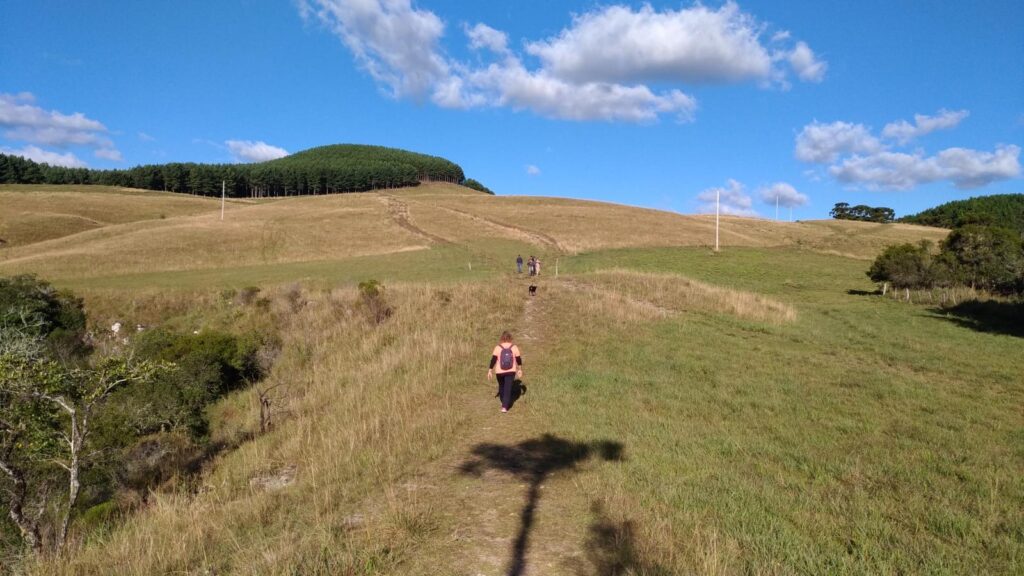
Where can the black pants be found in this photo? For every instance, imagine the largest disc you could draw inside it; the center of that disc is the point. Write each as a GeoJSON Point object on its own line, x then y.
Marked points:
{"type": "Point", "coordinates": [506, 382]}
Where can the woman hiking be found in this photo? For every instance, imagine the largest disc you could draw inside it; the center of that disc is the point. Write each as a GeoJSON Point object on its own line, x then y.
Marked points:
{"type": "Point", "coordinates": [507, 365]}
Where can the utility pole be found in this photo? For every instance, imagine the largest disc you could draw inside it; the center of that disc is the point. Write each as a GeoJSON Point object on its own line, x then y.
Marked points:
{"type": "Point", "coordinates": [718, 201]}
{"type": "Point", "coordinates": [223, 186]}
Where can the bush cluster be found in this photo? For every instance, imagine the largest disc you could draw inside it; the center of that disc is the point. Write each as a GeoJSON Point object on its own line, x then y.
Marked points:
{"type": "Point", "coordinates": [146, 411]}
{"type": "Point", "coordinates": [984, 257]}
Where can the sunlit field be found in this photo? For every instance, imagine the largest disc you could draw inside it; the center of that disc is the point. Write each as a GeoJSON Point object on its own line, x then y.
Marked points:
{"type": "Point", "coordinates": [753, 411]}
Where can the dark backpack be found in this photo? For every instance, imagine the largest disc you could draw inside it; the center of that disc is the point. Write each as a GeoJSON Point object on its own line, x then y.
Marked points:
{"type": "Point", "coordinates": [506, 358]}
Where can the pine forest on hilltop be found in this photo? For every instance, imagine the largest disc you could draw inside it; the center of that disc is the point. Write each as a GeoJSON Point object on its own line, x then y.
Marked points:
{"type": "Point", "coordinates": [1004, 210]}
{"type": "Point", "coordinates": [322, 170]}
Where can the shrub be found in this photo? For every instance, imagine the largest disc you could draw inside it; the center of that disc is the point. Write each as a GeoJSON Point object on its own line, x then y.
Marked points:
{"type": "Point", "coordinates": [986, 257]}
{"type": "Point", "coordinates": [37, 309]}
{"type": "Point", "coordinates": [903, 266]}
{"type": "Point", "coordinates": [247, 295]}
{"type": "Point", "coordinates": [371, 300]}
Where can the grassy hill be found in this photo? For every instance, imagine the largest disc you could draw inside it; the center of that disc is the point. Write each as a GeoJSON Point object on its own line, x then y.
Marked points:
{"type": "Point", "coordinates": [172, 239]}
{"type": "Point", "coordinates": [751, 411]}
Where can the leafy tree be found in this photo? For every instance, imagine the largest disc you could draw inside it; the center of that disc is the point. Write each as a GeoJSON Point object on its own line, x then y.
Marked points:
{"type": "Point", "coordinates": [986, 257]}
{"type": "Point", "coordinates": [45, 429]}
{"type": "Point", "coordinates": [903, 266]}
{"type": "Point", "coordinates": [36, 308]}
{"type": "Point", "coordinates": [862, 212]}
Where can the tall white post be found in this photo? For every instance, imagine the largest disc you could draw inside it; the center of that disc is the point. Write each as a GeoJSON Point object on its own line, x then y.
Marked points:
{"type": "Point", "coordinates": [223, 186]}
{"type": "Point", "coordinates": [718, 200]}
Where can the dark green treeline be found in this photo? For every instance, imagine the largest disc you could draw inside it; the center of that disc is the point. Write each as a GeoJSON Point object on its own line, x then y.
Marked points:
{"type": "Point", "coordinates": [323, 170]}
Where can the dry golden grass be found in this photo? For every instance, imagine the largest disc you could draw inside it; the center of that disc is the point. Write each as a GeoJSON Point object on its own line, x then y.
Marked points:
{"type": "Point", "coordinates": [360, 406]}
{"type": "Point", "coordinates": [582, 226]}
{"type": "Point", "coordinates": [294, 230]}
{"type": "Point", "coordinates": [36, 213]}
{"type": "Point", "coordinates": [661, 294]}
{"type": "Point", "coordinates": [131, 238]}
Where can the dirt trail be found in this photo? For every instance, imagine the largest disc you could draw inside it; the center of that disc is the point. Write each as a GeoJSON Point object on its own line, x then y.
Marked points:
{"type": "Point", "coordinates": [529, 235]}
{"type": "Point", "coordinates": [508, 495]}
{"type": "Point", "coordinates": [398, 211]}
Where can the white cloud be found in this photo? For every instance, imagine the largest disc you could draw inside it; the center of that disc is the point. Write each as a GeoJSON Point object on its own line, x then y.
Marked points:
{"type": "Point", "coordinates": [146, 137]}
{"type": "Point", "coordinates": [513, 85]}
{"type": "Point", "coordinates": [733, 200]}
{"type": "Point", "coordinates": [806, 65]}
{"type": "Point", "coordinates": [532, 170]}
{"type": "Point", "coordinates": [109, 154]}
{"type": "Point", "coordinates": [23, 121]}
{"type": "Point", "coordinates": [396, 43]}
{"type": "Point", "coordinates": [618, 44]}
{"type": "Point", "coordinates": [965, 168]}
{"type": "Point", "coordinates": [823, 143]}
{"type": "Point", "coordinates": [785, 194]}
{"type": "Point", "coordinates": [250, 151]}
{"type": "Point", "coordinates": [904, 131]}
{"type": "Point", "coordinates": [781, 36]}
{"type": "Point", "coordinates": [37, 154]}
{"type": "Point", "coordinates": [483, 36]}
{"type": "Point", "coordinates": [596, 69]}
{"type": "Point", "coordinates": [857, 157]}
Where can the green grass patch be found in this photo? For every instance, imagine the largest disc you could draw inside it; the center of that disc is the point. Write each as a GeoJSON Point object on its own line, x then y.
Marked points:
{"type": "Point", "coordinates": [867, 437]}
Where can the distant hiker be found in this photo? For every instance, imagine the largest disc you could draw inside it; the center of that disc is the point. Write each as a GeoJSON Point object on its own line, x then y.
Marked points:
{"type": "Point", "coordinates": [536, 267]}
{"type": "Point", "coordinates": [519, 264]}
{"type": "Point", "coordinates": [507, 365]}
{"type": "Point", "coordinates": [530, 266]}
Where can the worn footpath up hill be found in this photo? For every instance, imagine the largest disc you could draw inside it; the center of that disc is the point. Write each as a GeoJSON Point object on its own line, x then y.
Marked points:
{"type": "Point", "coordinates": [759, 410]}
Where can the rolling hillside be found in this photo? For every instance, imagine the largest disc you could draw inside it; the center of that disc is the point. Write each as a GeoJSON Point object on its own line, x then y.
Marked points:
{"type": "Point", "coordinates": [74, 234]}
{"type": "Point", "coordinates": [754, 411]}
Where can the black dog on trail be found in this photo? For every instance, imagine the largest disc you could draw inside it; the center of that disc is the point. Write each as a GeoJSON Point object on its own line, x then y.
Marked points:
{"type": "Point", "coordinates": [533, 290]}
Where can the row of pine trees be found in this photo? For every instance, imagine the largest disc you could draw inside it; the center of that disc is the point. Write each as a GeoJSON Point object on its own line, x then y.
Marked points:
{"type": "Point", "coordinates": [323, 170]}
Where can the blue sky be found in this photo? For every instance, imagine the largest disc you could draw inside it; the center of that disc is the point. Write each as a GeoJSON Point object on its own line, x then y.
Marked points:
{"type": "Point", "coordinates": [900, 104]}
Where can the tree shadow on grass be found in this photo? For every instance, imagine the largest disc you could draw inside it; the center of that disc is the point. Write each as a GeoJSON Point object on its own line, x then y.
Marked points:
{"type": "Point", "coordinates": [612, 551]}
{"type": "Point", "coordinates": [856, 292]}
{"type": "Point", "coordinates": [987, 316]}
{"type": "Point", "coordinates": [535, 461]}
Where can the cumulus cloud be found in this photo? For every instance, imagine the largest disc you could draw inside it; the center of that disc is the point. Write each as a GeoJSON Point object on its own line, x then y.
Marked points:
{"type": "Point", "coordinates": [857, 157]}
{"type": "Point", "coordinates": [823, 143]}
{"type": "Point", "coordinates": [620, 44]}
{"type": "Point", "coordinates": [733, 200]}
{"type": "Point", "coordinates": [784, 194]}
{"type": "Point", "coordinates": [904, 131]}
{"type": "Point", "coordinates": [23, 121]}
{"type": "Point", "coordinates": [513, 85]}
{"type": "Point", "coordinates": [598, 68]}
{"type": "Point", "coordinates": [963, 167]}
{"type": "Point", "coordinates": [396, 43]}
{"type": "Point", "coordinates": [250, 151]}
{"type": "Point", "coordinates": [483, 36]}
{"type": "Point", "coordinates": [532, 170]}
{"type": "Point", "coordinates": [37, 154]}
{"type": "Point", "coordinates": [145, 137]}
{"type": "Point", "coordinates": [806, 64]}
